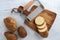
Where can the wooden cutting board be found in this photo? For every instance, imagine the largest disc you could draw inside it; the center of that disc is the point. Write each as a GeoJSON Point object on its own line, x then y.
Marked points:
{"type": "Point", "coordinates": [47, 15]}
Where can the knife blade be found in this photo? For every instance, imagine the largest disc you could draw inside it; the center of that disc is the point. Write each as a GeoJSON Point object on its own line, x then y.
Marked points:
{"type": "Point", "coordinates": [39, 3]}
{"type": "Point", "coordinates": [37, 11]}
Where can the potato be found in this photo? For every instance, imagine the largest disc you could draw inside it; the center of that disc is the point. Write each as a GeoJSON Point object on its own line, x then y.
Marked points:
{"type": "Point", "coordinates": [22, 32]}
{"type": "Point", "coordinates": [10, 24]}
{"type": "Point", "coordinates": [10, 36]}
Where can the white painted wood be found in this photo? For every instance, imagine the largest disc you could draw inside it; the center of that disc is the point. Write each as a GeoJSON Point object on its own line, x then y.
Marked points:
{"type": "Point", "coordinates": [7, 5]}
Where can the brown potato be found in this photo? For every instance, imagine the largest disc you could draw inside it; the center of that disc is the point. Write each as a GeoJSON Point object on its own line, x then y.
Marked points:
{"type": "Point", "coordinates": [10, 36]}
{"type": "Point", "coordinates": [22, 32]}
{"type": "Point", "coordinates": [10, 24]}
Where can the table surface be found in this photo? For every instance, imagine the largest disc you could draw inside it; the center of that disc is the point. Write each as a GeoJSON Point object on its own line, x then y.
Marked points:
{"type": "Point", "coordinates": [5, 11]}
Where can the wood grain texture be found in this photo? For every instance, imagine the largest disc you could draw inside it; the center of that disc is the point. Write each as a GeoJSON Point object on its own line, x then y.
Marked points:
{"type": "Point", "coordinates": [49, 18]}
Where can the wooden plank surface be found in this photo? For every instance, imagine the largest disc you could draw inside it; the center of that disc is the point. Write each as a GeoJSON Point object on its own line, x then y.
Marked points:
{"type": "Point", "coordinates": [47, 15]}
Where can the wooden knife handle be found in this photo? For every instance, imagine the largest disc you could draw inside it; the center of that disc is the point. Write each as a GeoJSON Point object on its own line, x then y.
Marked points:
{"type": "Point", "coordinates": [28, 5]}
{"type": "Point", "coordinates": [32, 9]}
{"type": "Point", "coordinates": [20, 8]}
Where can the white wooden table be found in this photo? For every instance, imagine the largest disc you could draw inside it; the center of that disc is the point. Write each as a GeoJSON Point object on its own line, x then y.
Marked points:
{"type": "Point", "coordinates": [5, 11]}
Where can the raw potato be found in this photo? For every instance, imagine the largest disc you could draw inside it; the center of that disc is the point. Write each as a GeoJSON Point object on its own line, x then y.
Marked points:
{"type": "Point", "coordinates": [10, 36]}
{"type": "Point", "coordinates": [10, 24]}
{"type": "Point", "coordinates": [39, 20]}
{"type": "Point", "coordinates": [22, 32]}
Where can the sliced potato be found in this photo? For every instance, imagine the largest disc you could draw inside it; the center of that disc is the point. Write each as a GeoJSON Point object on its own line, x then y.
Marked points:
{"type": "Point", "coordinates": [43, 30]}
{"type": "Point", "coordinates": [42, 26]}
{"type": "Point", "coordinates": [39, 20]}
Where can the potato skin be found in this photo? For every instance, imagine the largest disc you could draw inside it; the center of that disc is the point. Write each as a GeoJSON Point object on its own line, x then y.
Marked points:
{"type": "Point", "coordinates": [10, 36]}
{"type": "Point", "coordinates": [10, 24]}
{"type": "Point", "coordinates": [22, 32]}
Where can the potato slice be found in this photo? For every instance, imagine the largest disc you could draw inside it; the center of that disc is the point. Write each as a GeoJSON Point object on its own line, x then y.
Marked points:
{"type": "Point", "coordinates": [39, 20]}
{"type": "Point", "coordinates": [42, 26]}
{"type": "Point", "coordinates": [43, 30]}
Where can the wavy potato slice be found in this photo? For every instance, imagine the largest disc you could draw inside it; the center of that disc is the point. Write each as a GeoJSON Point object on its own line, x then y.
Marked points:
{"type": "Point", "coordinates": [39, 20]}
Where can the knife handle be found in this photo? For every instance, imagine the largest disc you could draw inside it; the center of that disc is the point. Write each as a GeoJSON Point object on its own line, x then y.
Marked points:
{"type": "Point", "coordinates": [28, 5]}
{"type": "Point", "coordinates": [31, 10]}
{"type": "Point", "coordinates": [26, 12]}
{"type": "Point", "coordinates": [20, 8]}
